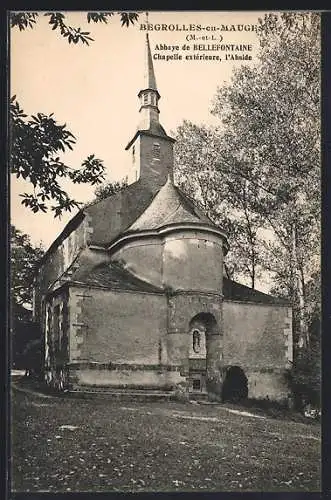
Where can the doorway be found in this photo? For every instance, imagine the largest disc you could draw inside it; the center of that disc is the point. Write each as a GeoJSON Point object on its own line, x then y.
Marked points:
{"type": "Point", "coordinates": [235, 385]}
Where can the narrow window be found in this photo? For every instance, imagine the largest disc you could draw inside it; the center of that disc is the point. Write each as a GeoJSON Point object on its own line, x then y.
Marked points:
{"type": "Point", "coordinates": [196, 384]}
{"type": "Point", "coordinates": [133, 154]}
{"type": "Point", "coordinates": [156, 150]}
{"type": "Point", "coordinates": [196, 341]}
{"type": "Point", "coordinates": [145, 98]}
{"type": "Point", "coordinates": [56, 326]}
{"type": "Point", "coordinates": [64, 328]}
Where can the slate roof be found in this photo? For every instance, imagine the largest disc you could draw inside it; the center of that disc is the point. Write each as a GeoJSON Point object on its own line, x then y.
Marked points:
{"type": "Point", "coordinates": [113, 276]}
{"type": "Point", "coordinates": [149, 76]}
{"type": "Point", "coordinates": [155, 130]}
{"type": "Point", "coordinates": [113, 215]}
{"type": "Point", "coordinates": [140, 207]}
{"type": "Point", "coordinates": [170, 206]}
{"type": "Point", "coordinates": [235, 291]}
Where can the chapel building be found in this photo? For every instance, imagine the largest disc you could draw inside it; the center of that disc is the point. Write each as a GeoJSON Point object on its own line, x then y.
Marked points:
{"type": "Point", "coordinates": [132, 296]}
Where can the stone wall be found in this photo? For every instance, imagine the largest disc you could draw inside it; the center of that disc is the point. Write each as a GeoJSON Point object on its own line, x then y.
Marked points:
{"type": "Point", "coordinates": [57, 261]}
{"type": "Point", "coordinates": [123, 376]}
{"type": "Point", "coordinates": [118, 327]}
{"type": "Point", "coordinates": [193, 261]}
{"type": "Point", "coordinates": [57, 336]}
{"type": "Point", "coordinates": [182, 308]}
{"type": "Point", "coordinates": [269, 384]}
{"type": "Point", "coordinates": [154, 168]}
{"type": "Point", "coordinates": [143, 258]}
{"type": "Point", "coordinates": [257, 338]}
{"type": "Point", "coordinates": [119, 339]}
{"type": "Point", "coordinates": [134, 172]}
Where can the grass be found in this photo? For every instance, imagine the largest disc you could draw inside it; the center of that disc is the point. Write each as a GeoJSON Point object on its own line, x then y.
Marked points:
{"type": "Point", "coordinates": [156, 446]}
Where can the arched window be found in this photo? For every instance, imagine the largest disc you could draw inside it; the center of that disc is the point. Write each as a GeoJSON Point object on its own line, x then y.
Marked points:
{"type": "Point", "coordinates": [145, 98]}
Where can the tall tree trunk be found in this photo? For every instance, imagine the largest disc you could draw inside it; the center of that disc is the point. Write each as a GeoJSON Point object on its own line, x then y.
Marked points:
{"type": "Point", "coordinates": [303, 340]}
{"type": "Point", "coordinates": [253, 271]}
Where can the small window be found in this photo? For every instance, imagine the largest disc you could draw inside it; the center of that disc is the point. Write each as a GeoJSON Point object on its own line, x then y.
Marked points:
{"type": "Point", "coordinates": [196, 384]}
{"type": "Point", "coordinates": [145, 98]}
{"type": "Point", "coordinates": [156, 150]}
{"type": "Point", "coordinates": [133, 154]}
{"type": "Point", "coordinates": [57, 334]}
{"type": "Point", "coordinates": [56, 322]}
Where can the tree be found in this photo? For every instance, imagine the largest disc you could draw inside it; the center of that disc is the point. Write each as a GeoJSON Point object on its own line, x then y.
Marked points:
{"type": "Point", "coordinates": [25, 335]}
{"type": "Point", "coordinates": [258, 172]}
{"type": "Point", "coordinates": [57, 21]}
{"type": "Point", "coordinates": [265, 158]}
{"type": "Point", "coordinates": [35, 146]}
{"type": "Point", "coordinates": [37, 142]}
{"type": "Point", "coordinates": [225, 198]}
{"type": "Point", "coordinates": [270, 114]}
{"type": "Point", "coordinates": [23, 260]}
{"type": "Point", "coordinates": [108, 189]}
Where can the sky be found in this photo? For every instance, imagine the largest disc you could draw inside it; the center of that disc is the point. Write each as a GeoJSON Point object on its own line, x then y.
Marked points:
{"type": "Point", "coordinates": [93, 89]}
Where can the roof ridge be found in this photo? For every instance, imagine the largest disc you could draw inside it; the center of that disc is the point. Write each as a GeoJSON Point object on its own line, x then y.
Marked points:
{"type": "Point", "coordinates": [124, 188]}
{"type": "Point", "coordinates": [171, 213]}
{"type": "Point", "coordinates": [194, 203]}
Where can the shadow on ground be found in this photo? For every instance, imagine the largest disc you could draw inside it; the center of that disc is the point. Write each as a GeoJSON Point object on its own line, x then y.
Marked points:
{"type": "Point", "coordinates": [64, 444]}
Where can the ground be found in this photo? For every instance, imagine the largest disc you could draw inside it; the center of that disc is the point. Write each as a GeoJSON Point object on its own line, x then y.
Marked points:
{"type": "Point", "coordinates": [64, 444]}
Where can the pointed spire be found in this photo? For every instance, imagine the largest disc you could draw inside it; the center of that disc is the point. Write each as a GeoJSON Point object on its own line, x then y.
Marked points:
{"type": "Point", "coordinates": [149, 77]}
{"type": "Point", "coordinates": [149, 99]}
{"type": "Point", "coordinates": [149, 96]}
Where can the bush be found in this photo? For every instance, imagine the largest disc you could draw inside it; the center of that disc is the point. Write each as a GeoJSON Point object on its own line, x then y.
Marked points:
{"type": "Point", "coordinates": [305, 378]}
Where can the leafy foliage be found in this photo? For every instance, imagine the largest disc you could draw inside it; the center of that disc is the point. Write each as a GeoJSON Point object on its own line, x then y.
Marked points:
{"type": "Point", "coordinates": [108, 189]}
{"type": "Point", "coordinates": [75, 35]}
{"type": "Point", "coordinates": [23, 260]}
{"type": "Point", "coordinates": [260, 172]}
{"type": "Point", "coordinates": [260, 168]}
{"type": "Point", "coordinates": [225, 198]}
{"type": "Point", "coordinates": [271, 112]}
{"type": "Point", "coordinates": [58, 21]}
{"type": "Point", "coordinates": [271, 119]}
{"type": "Point", "coordinates": [23, 20]}
{"type": "Point", "coordinates": [36, 145]}
{"type": "Point", "coordinates": [38, 141]}
{"type": "Point", "coordinates": [128, 17]}
{"type": "Point", "coordinates": [305, 376]}
{"type": "Point", "coordinates": [32, 357]}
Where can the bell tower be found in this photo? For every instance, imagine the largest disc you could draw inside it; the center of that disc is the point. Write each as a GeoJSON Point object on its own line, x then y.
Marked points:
{"type": "Point", "coordinates": [151, 148]}
{"type": "Point", "coordinates": [149, 96]}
